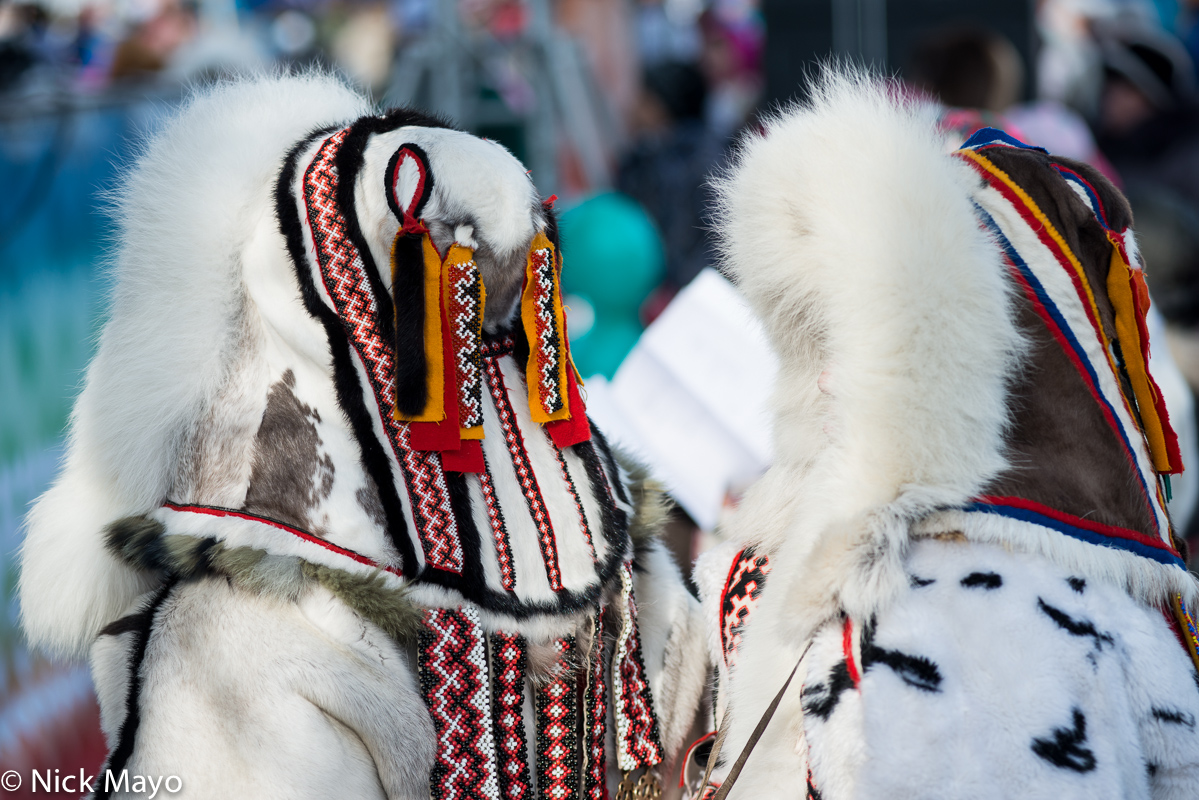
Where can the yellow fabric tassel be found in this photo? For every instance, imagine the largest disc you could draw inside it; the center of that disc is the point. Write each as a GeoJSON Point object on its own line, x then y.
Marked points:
{"type": "Point", "coordinates": [1120, 290]}
{"type": "Point", "coordinates": [544, 324]}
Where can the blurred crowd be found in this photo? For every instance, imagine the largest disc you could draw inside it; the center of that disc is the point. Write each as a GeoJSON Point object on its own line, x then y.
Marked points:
{"type": "Point", "coordinates": [623, 108]}
{"type": "Point", "coordinates": [651, 104]}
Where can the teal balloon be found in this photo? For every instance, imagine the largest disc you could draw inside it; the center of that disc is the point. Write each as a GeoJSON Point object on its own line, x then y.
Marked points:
{"type": "Point", "coordinates": [612, 255]}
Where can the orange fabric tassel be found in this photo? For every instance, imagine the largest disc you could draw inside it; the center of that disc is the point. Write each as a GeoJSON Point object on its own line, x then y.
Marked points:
{"type": "Point", "coordinates": [1130, 300]}
{"type": "Point", "coordinates": [544, 324]}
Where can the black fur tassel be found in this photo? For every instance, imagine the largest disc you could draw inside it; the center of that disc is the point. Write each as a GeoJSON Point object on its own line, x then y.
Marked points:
{"type": "Point", "coordinates": [408, 296]}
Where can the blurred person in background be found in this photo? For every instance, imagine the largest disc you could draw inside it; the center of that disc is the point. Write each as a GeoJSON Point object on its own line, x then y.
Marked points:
{"type": "Point", "coordinates": [968, 67]}
{"type": "Point", "coordinates": [1069, 64]}
{"type": "Point", "coordinates": [668, 164]}
{"type": "Point", "coordinates": [1148, 121]}
{"type": "Point", "coordinates": [731, 62]}
{"type": "Point", "coordinates": [150, 44]}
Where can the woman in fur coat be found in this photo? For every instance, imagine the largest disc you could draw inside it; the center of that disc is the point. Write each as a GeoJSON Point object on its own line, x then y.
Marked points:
{"type": "Point", "coordinates": [333, 521]}
{"type": "Point", "coordinates": [959, 578]}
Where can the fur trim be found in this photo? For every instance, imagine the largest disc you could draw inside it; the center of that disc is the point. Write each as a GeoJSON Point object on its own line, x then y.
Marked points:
{"type": "Point", "coordinates": [893, 327]}
{"type": "Point", "coordinates": [178, 300]}
{"type": "Point", "coordinates": [651, 506]}
{"type": "Point", "coordinates": [144, 544]}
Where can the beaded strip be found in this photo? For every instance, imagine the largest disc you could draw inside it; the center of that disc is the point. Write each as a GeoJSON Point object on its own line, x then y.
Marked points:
{"type": "Point", "coordinates": [549, 351]}
{"type": "Point", "coordinates": [524, 473]}
{"type": "Point", "coordinates": [509, 658]}
{"type": "Point", "coordinates": [464, 310]}
{"type": "Point", "coordinates": [343, 277]}
{"type": "Point", "coordinates": [574, 493]}
{"type": "Point", "coordinates": [1186, 626]}
{"type": "Point", "coordinates": [746, 579]}
{"type": "Point", "coordinates": [452, 659]}
{"type": "Point", "coordinates": [557, 711]}
{"type": "Point", "coordinates": [499, 529]}
{"type": "Point", "coordinates": [637, 741]}
{"type": "Point", "coordinates": [595, 711]}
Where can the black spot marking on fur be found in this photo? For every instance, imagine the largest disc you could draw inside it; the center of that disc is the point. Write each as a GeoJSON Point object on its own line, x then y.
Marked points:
{"type": "Point", "coordinates": [982, 580]}
{"type": "Point", "coordinates": [813, 792]}
{"type": "Point", "coordinates": [1077, 584]}
{"type": "Point", "coordinates": [1075, 627]}
{"type": "Point", "coordinates": [1151, 768]}
{"type": "Point", "coordinates": [1174, 717]}
{"type": "Point", "coordinates": [920, 583]}
{"type": "Point", "coordinates": [916, 671]}
{"type": "Point", "coordinates": [821, 699]}
{"type": "Point", "coordinates": [1066, 749]}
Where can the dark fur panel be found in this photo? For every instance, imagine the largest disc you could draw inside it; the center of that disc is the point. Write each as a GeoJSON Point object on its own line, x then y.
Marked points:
{"type": "Point", "coordinates": [138, 542]}
{"type": "Point", "coordinates": [1063, 452]}
{"type": "Point", "coordinates": [1033, 172]}
{"type": "Point", "coordinates": [289, 476]}
{"type": "Point", "coordinates": [601, 443]}
{"type": "Point", "coordinates": [1116, 208]}
{"type": "Point", "coordinates": [468, 532]}
{"type": "Point", "coordinates": [408, 293]}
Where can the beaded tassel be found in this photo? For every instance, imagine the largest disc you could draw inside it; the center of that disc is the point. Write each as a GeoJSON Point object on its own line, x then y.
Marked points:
{"type": "Point", "coordinates": [509, 656]}
{"type": "Point", "coordinates": [452, 661]}
{"type": "Point", "coordinates": [557, 711]}
{"type": "Point", "coordinates": [595, 717]}
{"type": "Point", "coordinates": [638, 744]}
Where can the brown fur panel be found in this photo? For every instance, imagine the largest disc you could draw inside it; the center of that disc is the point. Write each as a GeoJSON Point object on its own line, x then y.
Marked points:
{"type": "Point", "coordinates": [1032, 171]}
{"type": "Point", "coordinates": [290, 476]}
{"type": "Point", "coordinates": [1062, 450]}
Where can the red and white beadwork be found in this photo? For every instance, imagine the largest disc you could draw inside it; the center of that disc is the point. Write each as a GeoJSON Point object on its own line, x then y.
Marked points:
{"type": "Point", "coordinates": [452, 660]}
{"type": "Point", "coordinates": [574, 493]}
{"type": "Point", "coordinates": [464, 310]}
{"type": "Point", "coordinates": [342, 275]}
{"type": "Point", "coordinates": [499, 529]}
{"type": "Point", "coordinates": [524, 472]}
{"type": "Point", "coordinates": [556, 709]}
{"type": "Point", "coordinates": [549, 351]}
{"type": "Point", "coordinates": [637, 740]}
{"type": "Point", "coordinates": [509, 654]}
{"type": "Point", "coordinates": [746, 579]}
{"type": "Point", "coordinates": [595, 717]}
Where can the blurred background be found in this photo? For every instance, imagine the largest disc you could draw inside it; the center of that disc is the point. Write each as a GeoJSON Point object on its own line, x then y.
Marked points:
{"type": "Point", "coordinates": [623, 109]}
